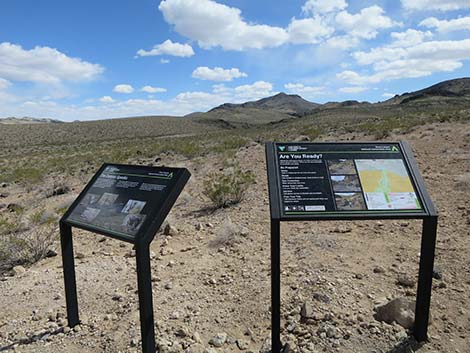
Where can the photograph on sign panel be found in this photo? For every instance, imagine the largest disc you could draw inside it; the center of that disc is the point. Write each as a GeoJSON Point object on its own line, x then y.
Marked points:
{"type": "Point", "coordinates": [133, 206]}
{"type": "Point", "coordinates": [132, 223]}
{"type": "Point", "coordinates": [341, 166]}
{"type": "Point", "coordinates": [107, 199]}
{"type": "Point", "coordinates": [89, 199]}
{"type": "Point", "coordinates": [344, 183]}
{"type": "Point", "coordinates": [349, 201]}
{"type": "Point", "coordinates": [89, 214]}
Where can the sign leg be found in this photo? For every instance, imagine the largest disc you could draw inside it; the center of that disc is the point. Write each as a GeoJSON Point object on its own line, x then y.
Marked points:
{"type": "Point", "coordinates": [144, 282]}
{"type": "Point", "coordinates": [275, 286]}
{"type": "Point", "coordinates": [68, 265]}
{"type": "Point", "coordinates": [426, 264]}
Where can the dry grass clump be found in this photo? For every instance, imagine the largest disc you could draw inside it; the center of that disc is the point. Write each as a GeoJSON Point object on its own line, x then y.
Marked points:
{"type": "Point", "coordinates": [27, 247]}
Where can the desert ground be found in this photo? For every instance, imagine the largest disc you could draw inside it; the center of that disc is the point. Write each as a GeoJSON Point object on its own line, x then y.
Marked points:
{"type": "Point", "coordinates": [211, 267]}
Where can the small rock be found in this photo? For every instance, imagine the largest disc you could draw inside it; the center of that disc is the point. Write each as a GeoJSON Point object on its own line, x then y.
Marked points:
{"type": "Point", "coordinates": [322, 297]}
{"type": "Point", "coordinates": [399, 310]}
{"type": "Point", "coordinates": [218, 340]}
{"type": "Point", "coordinates": [406, 281]}
{"type": "Point", "coordinates": [170, 230]}
{"type": "Point", "coordinates": [306, 312]}
{"type": "Point", "coordinates": [199, 226]}
{"type": "Point", "coordinates": [80, 256]}
{"type": "Point", "coordinates": [18, 270]}
{"type": "Point", "coordinates": [242, 344]}
{"type": "Point", "coordinates": [169, 285]}
{"type": "Point", "coordinates": [379, 269]}
{"type": "Point", "coordinates": [437, 273]}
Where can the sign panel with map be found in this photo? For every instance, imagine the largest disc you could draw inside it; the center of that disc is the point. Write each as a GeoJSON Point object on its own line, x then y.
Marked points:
{"type": "Point", "coordinates": [121, 199]}
{"type": "Point", "coordinates": [344, 178]}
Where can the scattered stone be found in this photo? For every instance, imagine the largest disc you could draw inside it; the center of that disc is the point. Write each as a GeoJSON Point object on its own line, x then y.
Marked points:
{"type": "Point", "coordinates": [3, 185]}
{"type": "Point", "coordinates": [170, 230]}
{"type": "Point", "coordinates": [218, 340]}
{"type": "Point", "coordinates": [306, 312]}
{"type": "Point", "coordinates": [242, 344]}
{"type": "Point", "coordinates": [199, 226]}
{"type": "Point", "coordinates": [437, 273]}
{"type": "Point", "coordinates": [79, 255]}
{"type": "Point", "coordinates": [169, 285]}
{"type": "Point", "coordinates": [379, 269]}
{"type": "Point", "coordinates": [18, 270]}
{"type": "Point", "coordinates": [406, 281]}
{"type": "Point", "coordinates": [321, 297]}
{"type": "Point", "coordinates": [399, 310]}
{"type": "Point", "coordinates": [60, 190]}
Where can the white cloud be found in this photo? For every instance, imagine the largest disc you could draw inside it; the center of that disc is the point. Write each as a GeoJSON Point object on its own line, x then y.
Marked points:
{"type": "Point", "coordinates": [409, 68]}
{"type": "Point", "coordinates": [168, 48]}
{"type": "Point", "coordinates": [409, 38]}
{"type": "Point", "coordinates": [4, 83]}
{"type": "Point", "coordinates": [353, 89]}
{"type": "Point", "coordinates": [432, 50]}
{"type": "Point", "coordinates": [212, 24]}
{"type": "Point", "coordinates": [364, 24]}
{"type": "Point", "coordinates": [441, 5]}
{"type": "Point", "coordinates": [123, 88]}
{"type": "Point", "coordinates": [308, 30]}
{"type": "Point", "coordinates": [456, 24]}
{"type": "Point", "coordinates": [43, 65]}
{"type": "Point", "coordinates": [106, 99]}
{"type": "Point", "coordinates": [388, 95]}
{"type": "Point", "coordinates": [322, 6]}
{"type": "Point", "coordinates": [150, 89]}
{"type": "Point", "coordinates": [217, 74]}
{"type": "Point", "coordinates": [164, 61]}
{"type": "Point", "coordinates": [257, 90]}
{"type": "Point", "coordinates": [304, 91]}
{"type": "Point", "coordinates": [343, 42]}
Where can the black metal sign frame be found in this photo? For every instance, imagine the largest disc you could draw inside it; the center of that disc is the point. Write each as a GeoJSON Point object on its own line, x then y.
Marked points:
{"type": "Point", "coordinates": [427, 214]}
{"type": "Point", "coordinates": [141, 240]}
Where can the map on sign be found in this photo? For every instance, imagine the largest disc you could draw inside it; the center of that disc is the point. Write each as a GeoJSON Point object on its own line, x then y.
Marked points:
{"type": "Point", "coordinates": [323, 178]}
{"type": "Point", "coordinates": [386, 184]}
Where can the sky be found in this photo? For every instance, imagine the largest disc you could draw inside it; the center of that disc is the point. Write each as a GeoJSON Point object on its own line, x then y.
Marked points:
{"type": "Point", "coordinates": [88, 60]}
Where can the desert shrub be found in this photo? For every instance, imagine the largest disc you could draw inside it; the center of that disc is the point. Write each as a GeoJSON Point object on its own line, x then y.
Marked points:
{"type": "Point", "coordinates": [8, 226]}
{"type": "Point", "coordinates": [312, 133]}
{"type": "Point", "coordinates": [228, 188]}
{"type": "Point", "coordinates": [25, 248]}
{"type": "Point", "coordinates": [42, 217]}
{"type": "Point", "coordinates": [230, 143]}
{"type": "Point", "coordinates": [27, 175]}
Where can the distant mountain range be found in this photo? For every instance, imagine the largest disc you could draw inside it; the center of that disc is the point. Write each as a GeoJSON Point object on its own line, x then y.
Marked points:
{"type": "Point", "coordinates": [29, 120]}
{"type": "Point", "coordinates": [283, 106]}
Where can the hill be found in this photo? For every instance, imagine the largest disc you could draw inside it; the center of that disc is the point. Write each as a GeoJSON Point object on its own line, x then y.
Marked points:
{"type": "Point", "coordinates": [291, 104]}
{"type": "Point", "coordinates": [29, 120]}
{"type": "Point", "coordinates": [443, 92]}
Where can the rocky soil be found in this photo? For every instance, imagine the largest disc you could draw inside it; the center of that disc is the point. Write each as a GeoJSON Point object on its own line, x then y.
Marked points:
{"type": "Point", "coordinates": [211, 271]}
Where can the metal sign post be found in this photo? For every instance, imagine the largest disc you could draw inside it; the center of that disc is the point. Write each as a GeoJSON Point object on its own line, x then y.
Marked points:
{"type": "Point", "coordinates": [128, 203]}
{"type": "Point", "coordinates": [348, 181]}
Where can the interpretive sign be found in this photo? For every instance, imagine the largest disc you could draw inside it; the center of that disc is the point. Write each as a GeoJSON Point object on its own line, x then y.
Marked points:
{"type": "Point", "coordinates": [347, 181]}
{"type": "Point", "coordinates": [320, 179]}
{"type": "Point", "coordinates": [129, 203]}
{"type": "Point", "coordinates": [123, 199]}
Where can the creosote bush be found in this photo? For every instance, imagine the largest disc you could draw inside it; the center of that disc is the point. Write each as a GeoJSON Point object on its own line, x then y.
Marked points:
{"type": "Point", "coordinates": [27, 247]}
{"type": "Point", "coordinates": [228, 188]}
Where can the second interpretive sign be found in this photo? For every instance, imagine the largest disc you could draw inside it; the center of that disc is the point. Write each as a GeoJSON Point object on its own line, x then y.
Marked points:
{"type": "Point", "coordinates": [316, 179]}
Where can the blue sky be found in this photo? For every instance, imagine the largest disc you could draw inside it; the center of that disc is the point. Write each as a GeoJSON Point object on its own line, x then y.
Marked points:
{"type": "Point", "coordinates": [102, 59]}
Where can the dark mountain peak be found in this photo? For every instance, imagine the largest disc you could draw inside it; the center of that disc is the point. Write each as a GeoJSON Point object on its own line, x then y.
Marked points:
{"type": "Point", "coordinates": [455, 88]}
{"type": "Point", "coordinates": [292, 104]}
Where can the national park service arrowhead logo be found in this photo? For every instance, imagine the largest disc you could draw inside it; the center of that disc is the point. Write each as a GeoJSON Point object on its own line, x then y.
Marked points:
{"type": "Point", "coordinates": [281, 148]}
{"type": "Point", "coordinates": [395, 149]}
